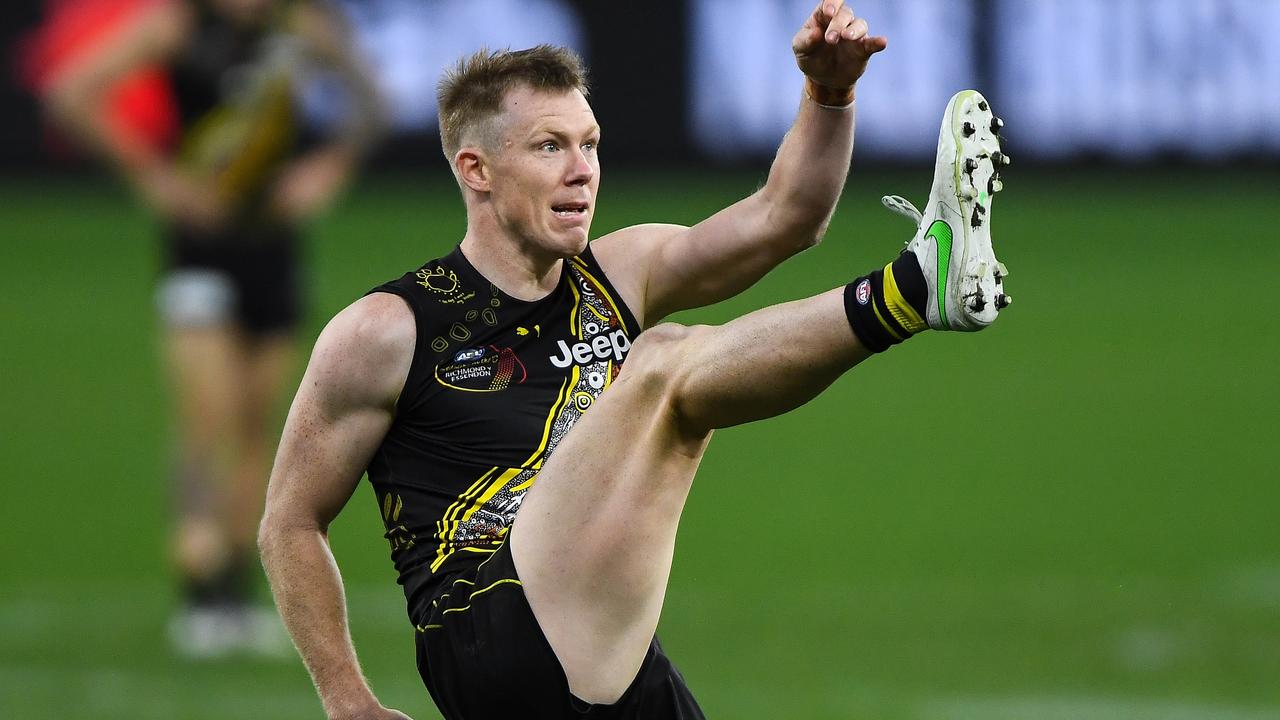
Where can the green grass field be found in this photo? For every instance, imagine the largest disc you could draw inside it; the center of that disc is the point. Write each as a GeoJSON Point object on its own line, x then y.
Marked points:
{"type": "Point", "coordinates": [1073, 515]}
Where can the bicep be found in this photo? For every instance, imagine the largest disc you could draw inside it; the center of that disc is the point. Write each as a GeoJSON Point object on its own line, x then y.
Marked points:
{"type": "Point", "coordinates": [342, 411]}
{"type": "Point", "coordinates": [323, 454]}
{"type": "Point", "coordinates": [676, 268]}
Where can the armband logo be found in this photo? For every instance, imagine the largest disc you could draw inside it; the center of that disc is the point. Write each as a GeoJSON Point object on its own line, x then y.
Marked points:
{"type": "Point", "coordinates": [862, 293]}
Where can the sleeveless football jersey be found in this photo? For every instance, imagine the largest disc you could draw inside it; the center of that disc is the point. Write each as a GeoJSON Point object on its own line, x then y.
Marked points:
{"type": "Point", "coordinates": [494, 385]}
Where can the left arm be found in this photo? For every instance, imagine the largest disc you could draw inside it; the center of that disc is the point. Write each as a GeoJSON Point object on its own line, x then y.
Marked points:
{"type": "Point", "coordinates": [660, 269]}
{"type": "Point", "coordinates": [311, 181]}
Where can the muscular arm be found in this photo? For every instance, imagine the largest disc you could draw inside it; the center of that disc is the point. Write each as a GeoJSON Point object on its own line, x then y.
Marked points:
{"type": "Point", "coordinates": [341, 413]}
{"type": "Point", "coordinates": [671, 267]}
{"type": "Point", "coordinates": [664, 268]}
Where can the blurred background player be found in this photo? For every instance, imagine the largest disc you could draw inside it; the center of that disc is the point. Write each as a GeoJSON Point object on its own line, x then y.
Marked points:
{"type": "Point", "coordinates": [194, 102]}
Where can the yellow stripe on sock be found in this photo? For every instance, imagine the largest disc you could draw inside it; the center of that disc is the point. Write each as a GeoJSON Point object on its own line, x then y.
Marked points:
{"type": "Point", "coordinates": [898, 306]}
{"type": "Point", "coordinates": [886, 325]}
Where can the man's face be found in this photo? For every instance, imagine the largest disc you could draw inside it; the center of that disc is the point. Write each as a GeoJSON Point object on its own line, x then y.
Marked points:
{"type": "Point", "coordinates": [545, 172]}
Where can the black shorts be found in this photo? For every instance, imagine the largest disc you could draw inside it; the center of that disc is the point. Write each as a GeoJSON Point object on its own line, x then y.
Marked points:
{"type": "Point", "coordinates": [245, 277]}
{"type": "Point", "coordinates": [483, 656]}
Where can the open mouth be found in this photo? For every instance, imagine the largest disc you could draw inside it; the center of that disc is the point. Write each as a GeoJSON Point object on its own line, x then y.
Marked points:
{"type": "Point", "coordinates": [570, 209]}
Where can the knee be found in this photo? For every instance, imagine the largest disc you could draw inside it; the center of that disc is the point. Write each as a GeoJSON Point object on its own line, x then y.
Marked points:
{"type": "Point", "coordinates": [661, 340]}
{"type": "Point", "coordinates": [663, 357]}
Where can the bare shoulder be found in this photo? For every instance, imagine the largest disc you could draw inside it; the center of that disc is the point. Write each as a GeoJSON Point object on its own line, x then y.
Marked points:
{"type": "Point", "coordinates": [381, 319]}
{"type": "Point", "coordinates": [630, 242]}
{"type": "Point", "coordinates": [363, 355]}
{"type": "Point", "coordinates": [627, 255]}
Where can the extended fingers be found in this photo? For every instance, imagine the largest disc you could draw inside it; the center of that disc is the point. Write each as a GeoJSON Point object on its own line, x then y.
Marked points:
{"type": "Point", "coordinates": [812, 32]}
{"type": "Point", "coordinates": [826, 10]}
{"type": "Point", "coordinates": [826, 18]}
{"type": "Point", "coordinates": [840, 21]}
{"type": "Point", "coordinates": [834, 22]}
{"type": "Point", "coordinates": [855, 30]}
{"type": "Point", "coordinates": [872, 44]}
{"type": "Point", "coordinates": [844, 25]}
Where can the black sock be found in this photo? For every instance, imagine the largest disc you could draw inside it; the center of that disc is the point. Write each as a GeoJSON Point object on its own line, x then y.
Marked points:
{"type": "Point", "coordinates": [886, 307]}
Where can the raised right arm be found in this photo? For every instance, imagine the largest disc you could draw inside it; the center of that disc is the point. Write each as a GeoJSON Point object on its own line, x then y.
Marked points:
{"type": "Point", "coordinates": [340, 415]}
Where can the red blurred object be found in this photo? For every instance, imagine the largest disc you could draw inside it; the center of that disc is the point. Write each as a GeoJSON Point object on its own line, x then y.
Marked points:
{"type": "Point", "coordinates": [141, 106]}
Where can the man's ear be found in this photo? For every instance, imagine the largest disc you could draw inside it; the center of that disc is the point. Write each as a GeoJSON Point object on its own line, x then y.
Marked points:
{"type": "Point", "coordinates": [472, 166]}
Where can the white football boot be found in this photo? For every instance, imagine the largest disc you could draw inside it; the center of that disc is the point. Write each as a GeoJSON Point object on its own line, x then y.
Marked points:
{"type": "Point", "coordinates": [953, 234]}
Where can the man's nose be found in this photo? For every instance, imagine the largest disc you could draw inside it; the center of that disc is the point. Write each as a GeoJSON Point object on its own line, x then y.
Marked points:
{"type": "Point", "coordinates": [581, 171]}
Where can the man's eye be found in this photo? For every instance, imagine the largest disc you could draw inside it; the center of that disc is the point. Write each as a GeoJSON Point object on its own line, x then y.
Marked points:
{"type": "Point", "coordinates": [589, 146]}
{"type": "Point", "coordinates": [549, 146]}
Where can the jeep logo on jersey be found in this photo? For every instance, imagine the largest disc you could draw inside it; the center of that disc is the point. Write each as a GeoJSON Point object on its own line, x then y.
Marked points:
{"type": "Point", "coordinates": [612, 346]}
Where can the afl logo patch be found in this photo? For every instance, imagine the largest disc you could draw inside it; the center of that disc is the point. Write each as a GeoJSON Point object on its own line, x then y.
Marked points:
{"type": "Point", "coordinates": [862, 293]}
{"type": "Point", "coordinates": [482, 369]}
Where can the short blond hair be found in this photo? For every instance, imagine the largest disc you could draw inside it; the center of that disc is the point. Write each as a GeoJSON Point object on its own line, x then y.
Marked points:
{"type": "Point", "coordinates": [472, 91]}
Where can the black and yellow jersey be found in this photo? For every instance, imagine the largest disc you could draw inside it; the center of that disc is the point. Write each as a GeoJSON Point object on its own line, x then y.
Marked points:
{"type": "Point", "coordinates": [234, 88]}
{"type": "Point", "coordinates": [494, 386]}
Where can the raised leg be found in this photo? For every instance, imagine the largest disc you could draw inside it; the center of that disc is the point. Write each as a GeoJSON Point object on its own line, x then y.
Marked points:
{"type": "Point", "coordinates": [594, 538]}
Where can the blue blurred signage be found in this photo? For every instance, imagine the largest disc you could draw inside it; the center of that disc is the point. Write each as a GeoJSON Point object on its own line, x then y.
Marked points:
{"type": "Point", "coordinates": [1124, 78]}
{"type": "Point", "coordinates": [410, 42]}
{"type": "Point", "coordinates": [745, 87]}
{"type": "Point", "coordinates": [1133, 78]}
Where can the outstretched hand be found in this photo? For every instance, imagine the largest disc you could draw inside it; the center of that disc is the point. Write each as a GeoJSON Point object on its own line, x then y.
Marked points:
{"type": "Point", "coordinates": [833, 46]}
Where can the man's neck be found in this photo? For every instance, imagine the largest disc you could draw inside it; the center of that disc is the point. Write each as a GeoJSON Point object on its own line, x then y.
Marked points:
{"type": "Point", "coordinates": [511, 265]}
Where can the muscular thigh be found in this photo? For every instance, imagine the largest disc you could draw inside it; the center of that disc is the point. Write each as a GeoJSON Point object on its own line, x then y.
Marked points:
{"type": "Point", "coordinates": [595, 535]}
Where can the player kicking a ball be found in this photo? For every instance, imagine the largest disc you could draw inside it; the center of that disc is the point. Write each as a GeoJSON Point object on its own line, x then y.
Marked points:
{"type": "Point", "coordinates": [530, 486]}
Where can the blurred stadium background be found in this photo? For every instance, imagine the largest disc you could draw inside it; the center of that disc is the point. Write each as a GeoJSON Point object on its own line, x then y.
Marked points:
{"type": "Point", "coordinates": [1073, 516]}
